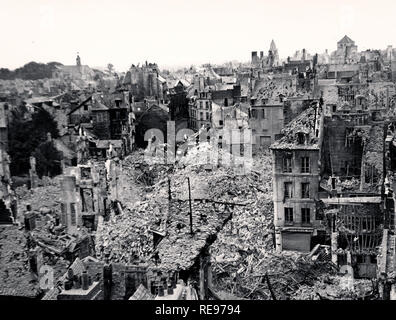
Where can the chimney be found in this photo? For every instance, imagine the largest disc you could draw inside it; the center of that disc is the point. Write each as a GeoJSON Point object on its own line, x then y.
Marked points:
{"type": "Point", "coordinates": [254, 56]}
{"type": "Point", "coordinates": [84, 280]}
{"type": "Point", "coordinates": [304, 55]}
{"type": "Point", "coordinates": [30, 219]}
{"type": "Point", "coordinates": [107, 281]}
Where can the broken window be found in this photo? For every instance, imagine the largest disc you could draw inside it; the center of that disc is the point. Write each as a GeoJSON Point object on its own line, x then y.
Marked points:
{"type": "Point", "coordinates": [305, 190]}
{"type": "Point", "coordinates": [301, 138]}
{"type": "Point", "coordinates": [85, 173]}
{"type": "Point", "coordinates": [288, 190]}
{"type": "Point", "coordinates": [319, 214]}
{"type": "Point", "coordinates": [220, 122]}
{"type": "Point", "coordinates": [304, 164]}
{"type": "Point", "coordinates": [289, 215]}
{"type": "Point", "coordinates": [305, 215]}
{"type": "Point", "coordinates": [287, 164]}
{"type": "Point", "coordinates": [63, 213]}
{"type": "Point", "coordinates": [73, 217]}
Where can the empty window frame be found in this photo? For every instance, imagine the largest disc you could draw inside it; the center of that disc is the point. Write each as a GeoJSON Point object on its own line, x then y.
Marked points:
{"type": "Point", "coordinates": [305, 168]}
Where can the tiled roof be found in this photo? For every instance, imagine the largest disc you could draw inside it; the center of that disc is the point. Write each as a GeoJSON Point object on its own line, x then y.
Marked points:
{"type": "Point", "coordinates": [142, 294]}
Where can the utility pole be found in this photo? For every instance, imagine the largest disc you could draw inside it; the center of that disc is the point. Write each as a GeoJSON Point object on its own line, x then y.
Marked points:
{"type": "Point", "coordinates": [189, 200]}
{"type": "Point", "coordinates": [169, 190]}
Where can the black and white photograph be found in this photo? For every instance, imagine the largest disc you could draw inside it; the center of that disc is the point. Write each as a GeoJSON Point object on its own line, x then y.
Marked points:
{"type": "Point", "coordinates": [201, 155]}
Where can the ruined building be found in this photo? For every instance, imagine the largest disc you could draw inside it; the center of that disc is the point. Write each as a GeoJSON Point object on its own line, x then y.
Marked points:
{"type": "Point", "coordinates": [266, 62]}
{"type": "Point", "coordinates": [145, 81]}
{"type": "Point", "coordinates": [7, 201]}
{"type": "Point", "coordinates": [296, 174]}
{"type": "Point", "coordinates": [346, 52]}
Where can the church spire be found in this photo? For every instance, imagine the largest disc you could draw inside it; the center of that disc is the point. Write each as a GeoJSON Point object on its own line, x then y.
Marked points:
{"type": "Point", "coordinates": [273, 46]}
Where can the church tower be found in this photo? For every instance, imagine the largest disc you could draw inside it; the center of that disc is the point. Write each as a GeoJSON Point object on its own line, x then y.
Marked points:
{"type": "Point", "coordinates": [273, 55]}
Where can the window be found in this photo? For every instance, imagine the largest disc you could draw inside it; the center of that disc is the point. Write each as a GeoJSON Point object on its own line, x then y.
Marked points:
{"type": "Point", "coordinates": [201, 117]}
{"type": "Point", "coordinates": [73, 213]}
{"type": "Point", "coordinates": [85, 107]}
{"type": "Point", "coordinates": [287, 164]}
{"type": "Point", "coordinates": [220, 122]}
{"type": "Point", "coordinates": [289, 215]}
{"type": "Point", "coordinates": [207, 104]}
{"type": "Point", "coordinates": [288, 190]}
{"type": "Point", "coordinates": [100, 117]}
{"type": "Point", "coordinates": [207, 116]}
{"type": "Point", "coordinates": [319, 214]}
{"type": "Point", "coordinates": [201, 104]}
{"type": "Point", "coordinates": [304, 164]}
{"type": "Point", "coordinates": [305, 215]}
{"type": "Point", "coordinates": [64, 213]}
{"type": "Point", "coordinates": [305, 190]}
{"type": "Point", "coordinates": [263, 114]}
{"type": "Point", "coordinates": [254, 113]}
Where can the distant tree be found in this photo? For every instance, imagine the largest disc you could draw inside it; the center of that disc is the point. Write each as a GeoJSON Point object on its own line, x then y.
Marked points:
{"type": "Point", "coordinates": [110, 68]}
{"type": "Point", "coordinates": [48, 159]}
{"type": "Point", "coordinates": [24, 136]}
{"type": "Point", "coordinates": [30, 71]}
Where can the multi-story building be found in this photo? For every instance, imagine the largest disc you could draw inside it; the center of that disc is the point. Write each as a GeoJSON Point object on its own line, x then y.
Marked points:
{"type": "Point", "coordinates": [266, 121]}
{"type": "Point", "coordinates": [6, 202]}
{"type": "Point", "coordinates": [200, 110]}
{"type": "Point", "coordinates": [296, 174]}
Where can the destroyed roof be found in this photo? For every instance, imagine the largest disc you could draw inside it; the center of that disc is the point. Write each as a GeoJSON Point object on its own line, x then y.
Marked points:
{"type": "Point", "coordinates": [104, 144]}
{"type": "Point", "coordinates": [343, 67]}
{"type": "Point", "coordinates": [142, 294]}
{"type": "Point", "coordinates": [77, 266]}
{"type": "Point", "coordinates": [160, 79]}
{"type": "Point", "coordinates": [303, 123]}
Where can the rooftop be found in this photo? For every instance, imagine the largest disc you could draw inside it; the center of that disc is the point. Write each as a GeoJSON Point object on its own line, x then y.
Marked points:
{"type": "Point", "coordinates": [304, 124]}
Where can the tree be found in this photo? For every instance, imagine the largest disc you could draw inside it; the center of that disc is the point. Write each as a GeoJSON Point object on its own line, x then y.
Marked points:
{"type": "Point", "coordinates": [24, 136]}
{"type": "Point", "coordinates": [48, 159]}
{"type": "Point", "coordinates": [110, 68]}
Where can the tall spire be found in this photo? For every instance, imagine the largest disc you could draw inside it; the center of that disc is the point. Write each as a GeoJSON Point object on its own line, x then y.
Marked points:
{"type": "Point", "coordinates": [273, 46]}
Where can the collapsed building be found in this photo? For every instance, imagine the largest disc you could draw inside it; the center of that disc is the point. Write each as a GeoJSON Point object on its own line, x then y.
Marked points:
{"type": "Point", "coordinates": [329, 180]}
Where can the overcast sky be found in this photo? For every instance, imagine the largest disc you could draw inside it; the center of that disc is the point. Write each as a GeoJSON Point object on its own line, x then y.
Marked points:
{"type": "Point", "coordinates": [183, 32]}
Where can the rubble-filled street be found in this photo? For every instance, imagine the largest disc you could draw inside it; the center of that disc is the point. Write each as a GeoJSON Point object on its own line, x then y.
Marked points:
{"type": "Point", "coordinates": [203, 159]}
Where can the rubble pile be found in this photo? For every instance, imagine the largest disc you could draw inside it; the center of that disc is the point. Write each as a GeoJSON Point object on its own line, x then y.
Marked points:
{"type": "Point", "coordinates": [40, 198]}
{"type": "Point", "coordinates": [216, 195]}
{"type": "Point", "coordinates": [337, 288]}
{"type": "Point", "coordinates": [303, 123]}
{"type": "Point", "coordinates": [138, 177]}
{"type": "Point", "coordinates": [268, 275]}
{"type": "Point", "coordinates": [272, 88]}
{"type": "Point", "coordinates": [15, 276]}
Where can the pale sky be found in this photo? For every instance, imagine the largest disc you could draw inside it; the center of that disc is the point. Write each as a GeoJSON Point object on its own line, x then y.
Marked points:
{"type": "Point", "coordinates": [184, 32]}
